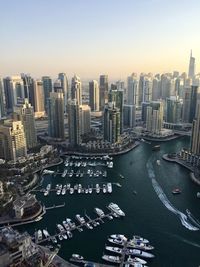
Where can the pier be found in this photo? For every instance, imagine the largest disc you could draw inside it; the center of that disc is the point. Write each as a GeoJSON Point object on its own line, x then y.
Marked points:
{"type": "Point", "coordinates": [55, 206]}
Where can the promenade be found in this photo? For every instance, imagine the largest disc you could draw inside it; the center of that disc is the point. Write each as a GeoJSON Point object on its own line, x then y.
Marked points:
{"type": "Point", "coordinates": [185, 165]}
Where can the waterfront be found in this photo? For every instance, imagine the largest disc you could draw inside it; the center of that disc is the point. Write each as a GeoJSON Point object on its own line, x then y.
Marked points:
{"type": "Point", "coordinates": [146, 212]}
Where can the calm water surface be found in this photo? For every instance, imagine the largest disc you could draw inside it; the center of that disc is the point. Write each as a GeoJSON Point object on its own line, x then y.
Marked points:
{"type": "Point", "coordinates": [154, 212]}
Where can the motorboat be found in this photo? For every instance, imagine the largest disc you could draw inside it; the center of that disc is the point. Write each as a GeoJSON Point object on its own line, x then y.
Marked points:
{"type": "Point", "coordinates": [60, 228]}
{"type": "Point", "coordinates": [139, 245]}
{"type": "Point", "coordinates": [77, 257]}
{"type": "Point", "coordinates": [71, 190]}
{"type": "Point", "coordinates": [53, 239]}
{"type": "Point", "coordinates": [158, 162]}
{"type": "Point", "coordinates": [198, 194]}
{"type": "Point", "coordinates": [64, 236]}
{"type": "Point", "coordinates": [118, 236]}
{"type": "Point", "coordinates": [114, 259]}
{"type": "Point", "coordinates": [63, 192]}
{"type": "Point", "coordinates": [114, 249]}
{"type": "Point", "coordinates": [66, 225]}
{"type": "Point", "coordinates": [69, 233]}
{"type": "Point", "coordinates": [60, 237]}
{"type": "Point", "coordinates": [135, 260]}
{"type": "Point", "coordinates": [140, 253]}
{"type": "Point", "coordinates": [109, 188]}
{"type": "Point", "coordinates": [80, 219]}
{"type": "Point", "coordinates": [156, 148]}
{"type": "Point", "coordinates": [97, 188]}
{"type": "Point", "coordinates": [176, 191]}
{"type": "Point", "coordinates": [110, 164]}
{"type": "Point", "coordinates": [46, 233]}
{"type": "Point", "coordinates": [99, 212]}
{"type": "Point", "coordinates": [39, 235]}
{"type": "Point", "coordinates": [115, 208]}
{"type": "Point", "coordinates": [117, 241]}
{"type": "Point", "coordinates": [64, 173]}
{"type": "Point", "coordinates": [137, 238]}
{"type": "Point", "coordinates": [89, 226]}
{"type": "Point", "coordinates": [104, 189]}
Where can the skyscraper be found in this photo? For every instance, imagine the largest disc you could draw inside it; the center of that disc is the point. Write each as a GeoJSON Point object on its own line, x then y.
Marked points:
{"type": "Point", "coordinates": [129, 115]}
{"type": "Point", "coordinates": [38, 93]}
{"type": "Point", "coordinates": [154, 117]}
{"type": "Point", "coordinates": [145, 89]}
{"type": "Point", "coordinates": [194, 101]}
{"type": "Point", "coordinates": [76, 89]}
{"type": "Point", "coordinates": [73, 120]}
{"type": "Point", "coordinates": [103, 91]}
{"type": "Point", "coordinates": [12, 140]}
{"type": "Point", "coordinates": [117, 97]}
{"type": "Point", "coordinates": [173, 110]}
{"type": "Point", "coordinates": [28, 121]}
{"type": "Point", "coordinates": [94, 95]}
{"type": "Point", "coordinates": [195, 138]}
{"type": "Point", "coordinates": [65, 88]}
{"type": "Point", "coordinates": [84, 119]}
{"type": "Point", "coordinates": [47, 85]}
{"type": "Point", "coordinates": [56, 115]}
{"type": "Point", "coordinates": [111, 123]}
{"type": "Point", "coordinates": [28, 85]}
{"type": "Point", "coordinates": [2, 103]}
{"type": "Point", "coordinates": [191, 70]}
{"type": "Point", "coordinates": [132, 90]}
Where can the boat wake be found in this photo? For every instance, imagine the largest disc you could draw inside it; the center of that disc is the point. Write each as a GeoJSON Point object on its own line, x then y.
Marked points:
{"type": "Point", "coordinates": [183, 218]}
{"type": "Point", "coordinates": [184, 240]}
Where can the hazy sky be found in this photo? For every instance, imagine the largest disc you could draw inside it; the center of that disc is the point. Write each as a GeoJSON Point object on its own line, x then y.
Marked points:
{"type": "Point", "coordinates": [90, 37]}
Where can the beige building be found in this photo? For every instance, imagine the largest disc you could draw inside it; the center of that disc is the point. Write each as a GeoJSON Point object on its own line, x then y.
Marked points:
{"type": "Point", "coordinates": [154, 117]}
{"type": "Point", "coordinates": [39, 99]}
{"type": "Point", "coordinates": [12, 140]}
{"type": "Point", "coordinates": [85, 118]}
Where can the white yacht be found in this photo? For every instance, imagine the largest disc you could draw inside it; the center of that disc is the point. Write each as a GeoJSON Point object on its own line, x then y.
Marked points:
{"type": "Point", "coordinates": [120, 236]}
{"type": "Point", "coordinates": [80, 219]}
{"type": "Point", "coordinates": [46, 233]}
{"type": "Point", "coordinates": [135, 260]}
{"type": "Point", "coordinates": [39, 235]}
{"type": "Point", "coordinates": [115, 208]}
{"type": "Point", "coordinates": [137, 238]}
{"type": "Point", "coordinates": [63, 192]}
{"type": "Point", "coordinates": [114, 249]}
{"type": "Point", "coordinates": [99, 212]}
{"type": "Point", "coordinates": [77, 257]}
{"type": "Point", "coordinates": [109, 188]}
{"type": "Point", "coordinates": [97, 188]}
{"type": "Point", "coordinates": [60, 228]}
{"type": "Point", "coordinates": [64, 173]}
{"type": "Point", "coordinates": [104, 189]}
{"type": "Point", "coordinates": [114, 259]}
{"type": "Point", "coordinates": [45, 171]}
{"type": "Point", "coordinates": [110, 164]}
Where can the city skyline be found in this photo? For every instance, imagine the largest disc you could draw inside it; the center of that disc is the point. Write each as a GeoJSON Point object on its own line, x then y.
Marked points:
{"type": "Point", "coordinates": [90, 38]}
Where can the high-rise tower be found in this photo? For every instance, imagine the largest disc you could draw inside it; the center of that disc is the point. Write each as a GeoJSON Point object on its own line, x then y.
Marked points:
{"type": "Point", "coordinates": [94, 95]}
{"type": "Point", "coordinates": [103, 91]}
{"type": "Point", "coordinates": [56, 115]}
{"type": "Point", "coordinates": [191, 70]}
{"type": "Point", "coordinates": [195, 138]}
{"type": "Point", "coordinates": [76, 89]}
{"type": "Point", "coordinates": [73, 119]}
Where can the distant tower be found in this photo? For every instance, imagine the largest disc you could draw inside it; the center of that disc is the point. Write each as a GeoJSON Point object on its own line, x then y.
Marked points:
{"type": "Point", "coordinates": [65, 89]}
{"type": "Point", "coordinates": [73, 120]}
{"type": "Point", "coordinates": [56, 115]}
{"type": "Point", "coordinates": [103, 91]}
{"type": "Point", "coordinates": [173, 110]}
{"type": "Point", "coordinates": [94, 95]}
{"type": "Point", "coordinates": [2, 104]}
{"type": "Point", "coordinates": [132, 90]}
{"type": "Point", "coordinates": [28, 121]}
{"type": "Point", "coordinates": [191, 71]}
{"type": "Point", "coordinates": [76, 89]}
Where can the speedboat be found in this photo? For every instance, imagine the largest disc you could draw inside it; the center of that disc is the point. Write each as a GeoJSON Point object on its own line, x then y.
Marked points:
{"type": "Point", "coordinates": [114, 249]}
{"type": "Point", "coordinates": [64, 236]}
{"type": "Point", "coordinates": [39, 235]}
{"type": "Point", "coordinates": [80, 219]}
{"type": "Point", "coordinates": [176, 191]}
{"type": "Point", "coordinates": [60, 237]}
{"type": "Point", "coordinates": [71, 190]}
{"type": "Point", "coordinates": [137, 238]}
{"type": "Point", "coordinates": [60, 228]}
{"type": "Point", "coordinates": [77, 257]}
{"type": "Point", "coordinates": [69, 233]}
{"type": "Point", "coordinates": [104, 189]}
{"type": "Point", "coordinates": [114, 259]}
{"type": "Point", "coordinates": [53, 239]}
{"type": "Point", "coordinates": [99, 212]}
{"type": "Point", "coordinates": [45, 171]}
{"type": "Point", "coordinates": [46, 234]}
{"type": "Point", "coordinates": [139, 253]}
{"type": "Point", "coordinates": [115, 208]}
{"type": "Point", "coordinates": [110, 164]}
{"type": "Point", "coordinates": [97, 188]}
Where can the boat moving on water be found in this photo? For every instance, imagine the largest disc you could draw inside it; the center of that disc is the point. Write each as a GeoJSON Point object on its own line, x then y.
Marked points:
{"type": "Point", "coordinates": [115, 208]}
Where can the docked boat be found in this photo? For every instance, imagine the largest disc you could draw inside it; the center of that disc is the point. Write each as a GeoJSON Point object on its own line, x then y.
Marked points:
{"type": "Point", "coordinates": [71, 190]}
{"type": "Point", "coordinates": [80, 219]}
{"type": "Point", "coordinates": [60, 228]}
{"type": "Point", "coordinates": [115, 208]}
{"type": "Point", "coordinates": [53, 239]}
{"type": "Point", "coordinates": [135, 260]}
{"type": "Point", "coordinates": [69, 233]}
{"type": "Point", "coordinates": [66, 225]}
{"type": "Point", "coordinates": [63, 192]}
{"type": "Point", "coordinates": [110, 164]}
{"type": "Point", "coordinates": [45, 171]}
{"type": "Point", "coordinates": [60, 237]}
{"type": "Point", "coordinates": [109, 188]}
{"type": "Point", "coordinates": [79, 188]}
{"type": "Point", "coordinates": [39, 235]}
{"type": "Point", "coordinates": [118, 236]}
{"type": "Point", "coordinates": [156, 148]}
{"type": "Point", "coordinates": [140, 253]}
{"type": "Point", "coordinates": [158, 162]}
{"type": "Point", "coordinates": [97, 188]}
{"type": "Point", "coordinates": [90, 190]}
{"type": "Point", "coordinates": [71, 224]}
{"type": "Point", "coordinates": [46, 233]}
{"type": "Point", "coordinates": [198, 194]}
{"type": "Point", "coordinates": [117, 241]}
{"type": "Point", "coordinates": [114, 259]}
{"type": "Point", "coordinates": [99, 212]}
{"type": "Point", "coordinates": [104, 189]}
{"type": "Point", "coordinates": [137, 238]}
{"type": "Point", "coordinates": [176, 191]}
{"type": "Point", "coordinates": [77, 257]}
{"type": "Point", "coordinates": [192, 218]}
{"type": "Point", "coordinates": [89, 226]}
{"type": "Point", "coordinates": [64, 173]}
{"type": "Point", "coordinates": [114, 249]}
{"type": "Point", "coordinates": [139, 245]}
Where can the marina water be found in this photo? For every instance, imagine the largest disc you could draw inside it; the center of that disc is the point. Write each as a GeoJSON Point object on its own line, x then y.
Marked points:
{"type": "Point", "coordinates": [151, 209]}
